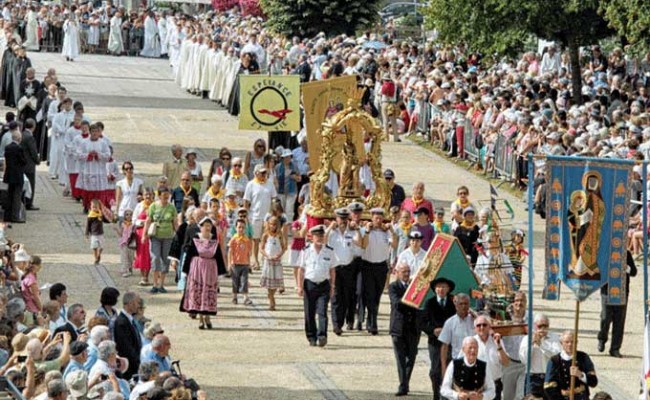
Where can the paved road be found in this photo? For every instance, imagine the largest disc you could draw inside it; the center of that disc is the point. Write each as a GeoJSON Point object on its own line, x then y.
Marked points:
{"type": "Point", "coordinates": [254, 352]}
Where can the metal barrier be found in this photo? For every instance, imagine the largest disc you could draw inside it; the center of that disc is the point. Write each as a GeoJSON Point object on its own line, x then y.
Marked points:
{"type": "Point", "coordinates": [472, 154]}
{"type": "Point", "coordinates": [504, 160]}
{"type": "Point", "coordinates": [132, 38]}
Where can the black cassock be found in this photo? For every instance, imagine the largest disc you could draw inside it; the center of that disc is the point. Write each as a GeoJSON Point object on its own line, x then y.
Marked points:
{"type": "Point", "coordinates": [20, 72]}
{"type": "Point", "coordinates": [41, 126]}
{"type": "Point", "coordinates": [8, 78]}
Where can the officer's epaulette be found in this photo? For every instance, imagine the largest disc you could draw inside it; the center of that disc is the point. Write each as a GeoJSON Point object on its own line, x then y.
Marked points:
{"type": "Point", "coordinates": [329, 247]}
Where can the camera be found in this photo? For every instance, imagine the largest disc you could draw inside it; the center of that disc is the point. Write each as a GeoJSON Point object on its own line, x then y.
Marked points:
{"type": "Point", "coordinates": [22, 359]}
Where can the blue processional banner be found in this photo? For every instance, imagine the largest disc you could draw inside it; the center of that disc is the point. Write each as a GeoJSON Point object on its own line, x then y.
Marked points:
{"type": "Point", "coordinates": [587, 219]}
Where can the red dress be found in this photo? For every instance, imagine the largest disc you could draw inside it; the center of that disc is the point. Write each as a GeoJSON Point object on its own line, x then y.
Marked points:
{"type": "Point", "coordinates": [142, 256]}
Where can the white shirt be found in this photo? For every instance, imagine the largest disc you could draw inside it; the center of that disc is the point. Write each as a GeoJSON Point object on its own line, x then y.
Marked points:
{"type": "Point", "coordinates": [541, 354]}
{"type": "Point", "coordinates": [256, 49]}
{"type": "Point", "coordinates": [412, 260]}
{"type": "Point", "coordinates": [317, 264]}
{"type": "Point", "coordinates": [141, 388]}
{"type": "Point", "coordinates": [446, 390]}
{"type": "Point", "coordinates": [129, 194]}
{"type": "Point", "coordinates": [259, 196]}
{"type": "Point", "coordinates": [454, 331]}
{"type": "Point", "coordinates": [342, 245]}
{"type": "Point", "coordinates": [378, 249]}
{"type": "Point", "coordinates": [301, 160]}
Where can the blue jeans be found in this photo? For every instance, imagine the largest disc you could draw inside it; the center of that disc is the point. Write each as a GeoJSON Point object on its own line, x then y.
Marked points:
{"type": "Point", "coordinates": [159, 250]}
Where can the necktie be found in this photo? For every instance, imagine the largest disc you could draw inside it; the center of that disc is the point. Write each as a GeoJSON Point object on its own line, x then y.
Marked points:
{"type": "Point", "coordinates": [137, 332]}
{"type": "Point", "coordinates": [442, 302]}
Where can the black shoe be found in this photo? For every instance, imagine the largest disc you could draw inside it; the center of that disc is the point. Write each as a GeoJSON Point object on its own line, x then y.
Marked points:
{"type": "Point", "coordinates": [312, 342]}
{"type": "Point", "coordinates": [374, 332]}
{"type": "Point", "coordinates": [401, 392]}
{"type": "Point", "coordinates": [615, 353]}
{"type": "Point", "coordinates": [601, 346]}
{"type": "Point", "coordinates": [350, 326]}
{"type": "Point", "coordinates": [359, 327]}
{"type": "Point", "coordinates": [18, 221]}
{"type": "Point", "coordinates": [32, 208]}
{"type": "Point", "coordinates": [322, 341]}
{"type": "Point", "coordinates": [338, 331]}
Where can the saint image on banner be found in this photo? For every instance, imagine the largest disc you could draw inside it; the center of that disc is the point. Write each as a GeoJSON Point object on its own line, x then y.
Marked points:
{"type": "Point", "coordinates": [586, 216]}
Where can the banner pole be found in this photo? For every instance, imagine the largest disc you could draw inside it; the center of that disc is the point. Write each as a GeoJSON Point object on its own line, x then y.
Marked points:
{"type": "Point", "coordinates": [531, 206]}
{"type": "Point", "coordinates": [575, 348]}
{"type": "Point", "coordinates": [644, 216]}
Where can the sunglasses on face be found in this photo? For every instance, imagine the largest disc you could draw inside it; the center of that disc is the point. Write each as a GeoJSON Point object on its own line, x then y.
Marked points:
{"type": "Point", "coordinates": [225, 158]}
{"type": "Point", "coordinates": [481, 325]}
{"type": "Point", "coordinates": [236, 165]}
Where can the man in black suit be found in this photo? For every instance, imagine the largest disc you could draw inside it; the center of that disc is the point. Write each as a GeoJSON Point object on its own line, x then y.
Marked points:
{"type": "Point", "coordinates": [76, 320]}
{"type": "Point", "coordinates": [437, 310]}
{"type": "Point", "coordinates": [126, 334]}
{"type": "Point", "coordinates": [31, 156]}
{"type": "Point", "coordinates": [614, 315]}
{"type": "Point", "coordinates": [14, 177]}
{"type": "Point", "coordinates": [403, 329]}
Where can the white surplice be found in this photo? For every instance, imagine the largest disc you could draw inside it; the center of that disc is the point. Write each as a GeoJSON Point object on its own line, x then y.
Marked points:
{"type": "Point", "coordinates": [115, 44]}
{"type": "Point", "coordinates": [70, 39]}
{"type": "Point", "coordinates": [92, 174]}
{"type": "Point", "coordinates": [151, 39]}
{"type": "Point", "coordinates": [162, 32]}
{"type": "Point", "coordinates": [60, 122]}
{"type": "Point", "coordinates": [31, 43]}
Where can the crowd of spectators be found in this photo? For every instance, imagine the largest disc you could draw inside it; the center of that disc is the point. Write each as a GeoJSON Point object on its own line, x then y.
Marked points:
{"type": "Point", "coordinates": [53, 347]}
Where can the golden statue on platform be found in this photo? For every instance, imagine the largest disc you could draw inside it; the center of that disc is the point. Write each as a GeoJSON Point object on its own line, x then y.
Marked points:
{"type": "Point", "coordinates": [352, 122]}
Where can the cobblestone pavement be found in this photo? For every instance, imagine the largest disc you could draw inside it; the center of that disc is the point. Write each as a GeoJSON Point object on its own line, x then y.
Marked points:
{"type": "Point", "coordinates": [254, 352]}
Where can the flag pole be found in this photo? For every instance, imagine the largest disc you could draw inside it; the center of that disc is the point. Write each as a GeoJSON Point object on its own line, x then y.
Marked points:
{"type": "Point", "coordinates": [531, 206]}
{"type": "Point", "coordinates": [575, 348]}
{"type": "Point", "coordinates": [644, 216]}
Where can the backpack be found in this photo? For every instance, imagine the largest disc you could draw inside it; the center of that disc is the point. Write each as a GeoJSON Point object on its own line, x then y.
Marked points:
{"type": "Point", "coordinates": [388, 89]}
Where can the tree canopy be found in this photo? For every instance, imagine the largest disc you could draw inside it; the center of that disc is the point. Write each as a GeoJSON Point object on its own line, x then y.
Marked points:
{"type": "Point", "coordinates": [630, 19]}
{"type": "Point", "coordinates": [502, 26]}
{"type": "Point", "coordinates": [306, 18]}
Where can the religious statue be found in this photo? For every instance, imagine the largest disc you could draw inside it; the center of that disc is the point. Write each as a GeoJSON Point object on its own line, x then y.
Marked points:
{"type": "Point", "coordinates": [349, 174]}
{"type": "Point", "coordinates": [348, 123]}
{"type": "Point", "coordinates": [586, 217]}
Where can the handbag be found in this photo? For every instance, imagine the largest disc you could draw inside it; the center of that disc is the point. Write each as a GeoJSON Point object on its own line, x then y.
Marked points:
{"type": "Point", "coordinates": [153, 227]}
{"type": "Point", "coordinates": [132, 243]}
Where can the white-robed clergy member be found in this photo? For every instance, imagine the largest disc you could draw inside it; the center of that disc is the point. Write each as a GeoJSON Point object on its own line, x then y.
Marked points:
{"type": "Point", "coordinates": [162, 33]}
{"type": "Point", "coordinates": [115, 44]}
{"type": "Point", "coordinates": [151, 46]}
{"type": "Point", "coordinates": [174, 37]}
{"type": "Point", "coordinates": [71, 38]}
{"type": "Point", "coordinates": [93, 154]}
{"type": "Point", "coordinates": [60, 123]}
{"type": "Point", "coordinates": [32, 30]}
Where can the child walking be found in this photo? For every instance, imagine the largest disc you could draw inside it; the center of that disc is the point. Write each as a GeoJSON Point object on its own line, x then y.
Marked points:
{"type": "Point", "coordinates": [273, 247]}
{"type": "Point", "coordinates": [128, 243]}
{"type": "Point", "coordinates": [239, 255]}
{"type": "Point", "coordinates": [95, 229]}
{"type": "Point", "coordinates": [297, 246]}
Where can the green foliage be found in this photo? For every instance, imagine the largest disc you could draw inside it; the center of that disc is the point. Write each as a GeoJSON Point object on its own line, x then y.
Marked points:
{"type": "Point", "coordinates": [503, 26]}
{"type": "Point", "coordinates": [487, 26]}
{"type": "Point", "coordinates": [306, 18]}
{"type": "Point", "coordinates": [630, 19]}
